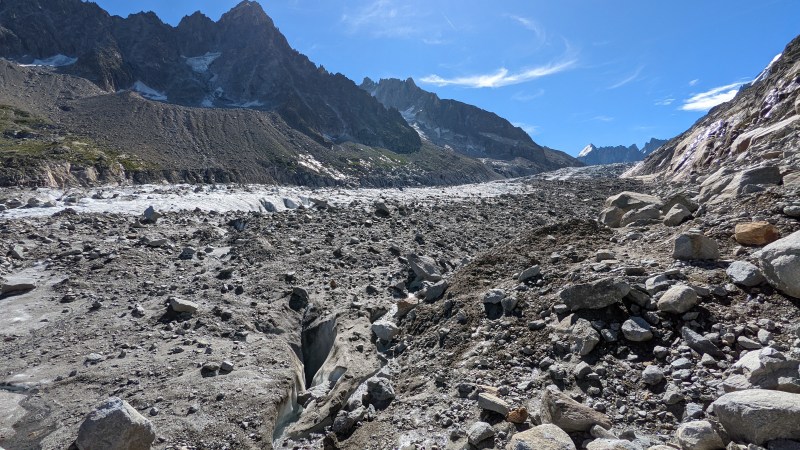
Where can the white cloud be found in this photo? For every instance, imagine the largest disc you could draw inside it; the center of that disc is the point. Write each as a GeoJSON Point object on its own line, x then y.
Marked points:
{"type": "Point", "coordinates": [501, 77]}
{"type": "Point", "coordinates": [532, 25]}
{"type": "Point", "coordinates": [603, 118]}
{"type": "Point", "coordinates": [711, 98]}
{"type": "Point", "coordinates": [665, 102]}
{"type": "Point", "coordinates": [630, 78]}
{"type": "Point", "coordinates": [523, 96]}
{"type": "Point", "coordinates": [528, 128]}
{"type": "Point", "coordinates": [383, 18]}
{"type": "Point", "coordinates": [694, 82]}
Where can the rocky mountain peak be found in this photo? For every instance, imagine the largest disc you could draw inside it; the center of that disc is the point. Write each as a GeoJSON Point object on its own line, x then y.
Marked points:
{"type": "Point", "coordinates": [248, 13]}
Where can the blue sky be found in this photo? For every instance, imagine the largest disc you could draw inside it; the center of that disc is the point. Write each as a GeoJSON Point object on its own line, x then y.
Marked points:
{"type": "Point", "coordinates": [569, 72]}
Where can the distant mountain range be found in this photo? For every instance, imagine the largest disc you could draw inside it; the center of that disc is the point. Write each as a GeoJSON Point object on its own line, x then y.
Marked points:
{"type": "Point", "coordinates": [202, 72]}
{"type": "Point", "coordinates": [592, 156]}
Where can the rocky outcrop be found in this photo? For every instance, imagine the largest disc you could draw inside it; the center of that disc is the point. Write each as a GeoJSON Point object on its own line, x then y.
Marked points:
{"type": "Point", "coordinates": [759, 126]}
{"type": "Point", "coordinates": [465, 128]}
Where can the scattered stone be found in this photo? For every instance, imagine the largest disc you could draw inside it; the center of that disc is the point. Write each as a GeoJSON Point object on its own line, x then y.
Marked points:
{"type": "Point", "coordinates": [756, 233]}
{"type": "Point", "coordinates": [745, 274]}
{"type": "Point", "coordinates": [699, 435]}
{"type": "Point", "coordinates": [385, 330]}
{"type": "Point", "coordinates": [636, 329]}
{"type": "Point", "coordinates": [652, 375]}
{"type": "Point", "coordinates": [494, 296]}
{"type": "Point", "coordinates": [583, 337]}
{"type": "Point", "coordinates": [613, 444]}
{"type": "Point", "coordinates": [766, 368]}
{"type": "Point", "coordinates": [17, 252]}
{"type": "Point", "coordinates": [298, 300]}
{"type": "Point", "coordinates": [569, 415]}
{"type": "Point", "coordinates": [595, 295]}
{"type": "Point", "coordinates": [115, 425]}
{"type": "Point", "coordinates": [678, 300]}
{"type": "Point", "coordinates": [529, 273]}
{"type": "Point", "coordinates": [182, 306]}
{"type": "Point", "coordinates": [757, 416]}
{"type": "Point", "coordinates": [694, 245]}
{"type": "Point", "coordinates": [380, 389]}
{"type": "Point", "coordinates": [435, 291]}
{"type": "Point", "coordinates": [424, 267]}
{"type": "Point", "coordinates": [542, 437]}
{"type": "Point", "coordinates": [16, 287]}
{"type": "Point", "coordinates": [604, 255]}
{"type": "Point", "coordinates": [187, 253]}
{"type": "Point", "coordinates": [700, 343]}
{"type": "Point", "coordinates": [517, 416]}
{"type": "Point", "coordinates": [479, 432]}
{"type": "Point", "coordinates": [493, 403]}
{"type": "Point", "coordinates": [677, 215]}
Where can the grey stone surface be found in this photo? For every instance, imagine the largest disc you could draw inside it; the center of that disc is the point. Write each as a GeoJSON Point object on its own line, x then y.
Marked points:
{"type": "Point", "coordinates": [757, 416]}
{"type": "Point", "coordinates": [115, 425]}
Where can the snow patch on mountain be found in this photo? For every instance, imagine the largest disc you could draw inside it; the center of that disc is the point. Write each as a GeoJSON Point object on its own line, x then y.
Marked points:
{"type": "Point", "coordinates": [586, 150]}
{"type": "Point", "coordinates": [200, 64]}
{"type": "Point", "coordinates": [148, 92]}
{"type": "Point", "coordinates": [53, 61]}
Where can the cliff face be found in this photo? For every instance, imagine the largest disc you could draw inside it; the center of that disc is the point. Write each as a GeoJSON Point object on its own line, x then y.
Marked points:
{"type": "Point", "coordinates": [241, 61]}
{"type": "Point", "coordinates": [761, 125]}
{"type": "Point", "coordinates": [465, 128]}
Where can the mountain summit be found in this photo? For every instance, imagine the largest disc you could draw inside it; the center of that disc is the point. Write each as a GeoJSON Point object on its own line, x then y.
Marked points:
{"type": "Point", "coordinates": [592, 155]}
{"type": "Point", "coordinates": [465, 128]}
{"type": "Point", "coordinates": [240, 61]}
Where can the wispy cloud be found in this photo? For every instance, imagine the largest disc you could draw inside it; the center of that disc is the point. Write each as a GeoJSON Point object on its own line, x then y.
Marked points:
{"type": "Point", "coordinates": [665, 101]}
{"type": "Point", "coordinates": [603, 119]}
{"type": "Point", "coordinates": [629, 79]}
{"type": "Point", "coordinates": [711, 98]}
{"type": "Point", "coordinates": [527, 96]}
{"type": "Point", "coordinates": [694, 82]}
{"type": "Point", "coordinates": [528, 128]}
{"type": "Point", "coordinates": [383, 18]}
{"type": "Point", "coordinates": [502, 77]}
{"type": "Point", "coordinates": [532, 25]}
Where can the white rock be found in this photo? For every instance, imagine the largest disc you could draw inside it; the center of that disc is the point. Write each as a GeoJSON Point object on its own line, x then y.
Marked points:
{"type": "Point", "coordinates": [115, 425]}
{"type": "Point", "coordinates": [699, 435]}
{"type": "Point", "coordinates": [780, 262]}
{"type": "Point", "coordinates": [758, 416]}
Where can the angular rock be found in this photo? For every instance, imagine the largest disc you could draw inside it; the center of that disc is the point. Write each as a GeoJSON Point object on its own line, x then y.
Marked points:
{"type": "Point", "coordinates": [677, 215]}
{"type": "Point", "coordinates": [424, 267]}
{"type": "Point", "coordinates": [380, 389]}
{"type": "Point", "coordinates": [518, 415]}
{"type": "Point", "coordinates": [530, 272]}
{"type": "Point", "coordinates": [595, 295]}
{"type": "Point", "coordinates": [613, 444]}
{"type": "Point", "coordinates": [628, 201]}
{"type": "Point", "coordinates": [479, 432]}
{"type": "Point", "coordinates": [652, 375]}
{"type": "Point", "coordinates": [758, 416]}
{"type": "Point", "coordinates": [695, 246]}
{"type": "Point", "coordinates": [611, 216]}
{"type": "Point", "coordinates": [700, 343]}
{"type": "Point", "coordinates": [150, 215]}
{"type": "Point", "coordinates": [637, 329]}
{"type": "Point", "coordinates": [542, 437]}
{"type": "Point", "coordinates": [745, 274]}
{"type": "Point", "coordinates": [699, 435]}
{"type": "Point", "coordinates": [434, 291]}
{"type": "Point", "coordinates": [583, 337]}
{"type": "Point", "coordinates": [182, 306]}
{"type": "Point", "coordinates": [494, 296]}
{"type": "Point", "coordinates": [765, 369]}
{"type": "Point", "coordinates": [16, 287]}
{"type": "Point", "coordinates": [650, 212]}
{"type": "Point", "coordinates": [569, 415]}
{"type": "Point", "coordinates": [493, 403]}
{"type": "Point", "coordinates": [756, 233]}
{"type": "Point", "coordinates": [678, 300]}
{"type": "Point", "coordinates": [780, 262]}
{"type": "Point", "coordinates": [385, 330]}
{"type": "Point", "coordinates": [115, 425]}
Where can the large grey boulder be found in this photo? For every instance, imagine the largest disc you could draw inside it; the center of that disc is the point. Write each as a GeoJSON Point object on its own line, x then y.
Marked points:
{"type": "Point", "coordinates": [757, 416]}
{"type": "Point", "coordinates": [766, 369]}
{"type": "Point", "coordinates": [676, 215]}
{"type": "Point", "coordinates": [618, 205]}
{"type": "Point", "coordinates": [595, 295]}
{"type": "Point", "coordinates": [780, 262]}
{"type": "Point", "coordinates": [694, 245]}
{"type": "Point", "coordinates": [613, 444]}
{"type": "Point", "coordinates": [678, 300]}
{"type": "Point", "coordinates": [745, 274]}
{"type": "Point", "coordinates": [637, 329]}
{"type": "Point", "coordinates": [543, 437]}
{"type": "Point", "coordinates": [650, 212]}
{"type": "Point", "coordinates": [569, 415]}
{"type": "Point", "coordinates": [479, 432]}
{"type": "Point", "coordinates": [699, 435]}
{"type": "Point", "coordinates": [700, 343]}
{"type": "Point", "coordinates": [115, 425]}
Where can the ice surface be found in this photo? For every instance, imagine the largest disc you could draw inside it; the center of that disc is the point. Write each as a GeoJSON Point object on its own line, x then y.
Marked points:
{"type": "Point", "coordinates": [200, 63]}
{"type": "Point", "coordinates": [54, 61]}
{"type": "Point", "coordinates": [148, 92]}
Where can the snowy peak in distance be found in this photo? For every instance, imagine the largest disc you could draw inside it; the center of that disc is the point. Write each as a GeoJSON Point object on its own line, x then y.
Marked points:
{"type": "Point", "coordinates": [592, 155]}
